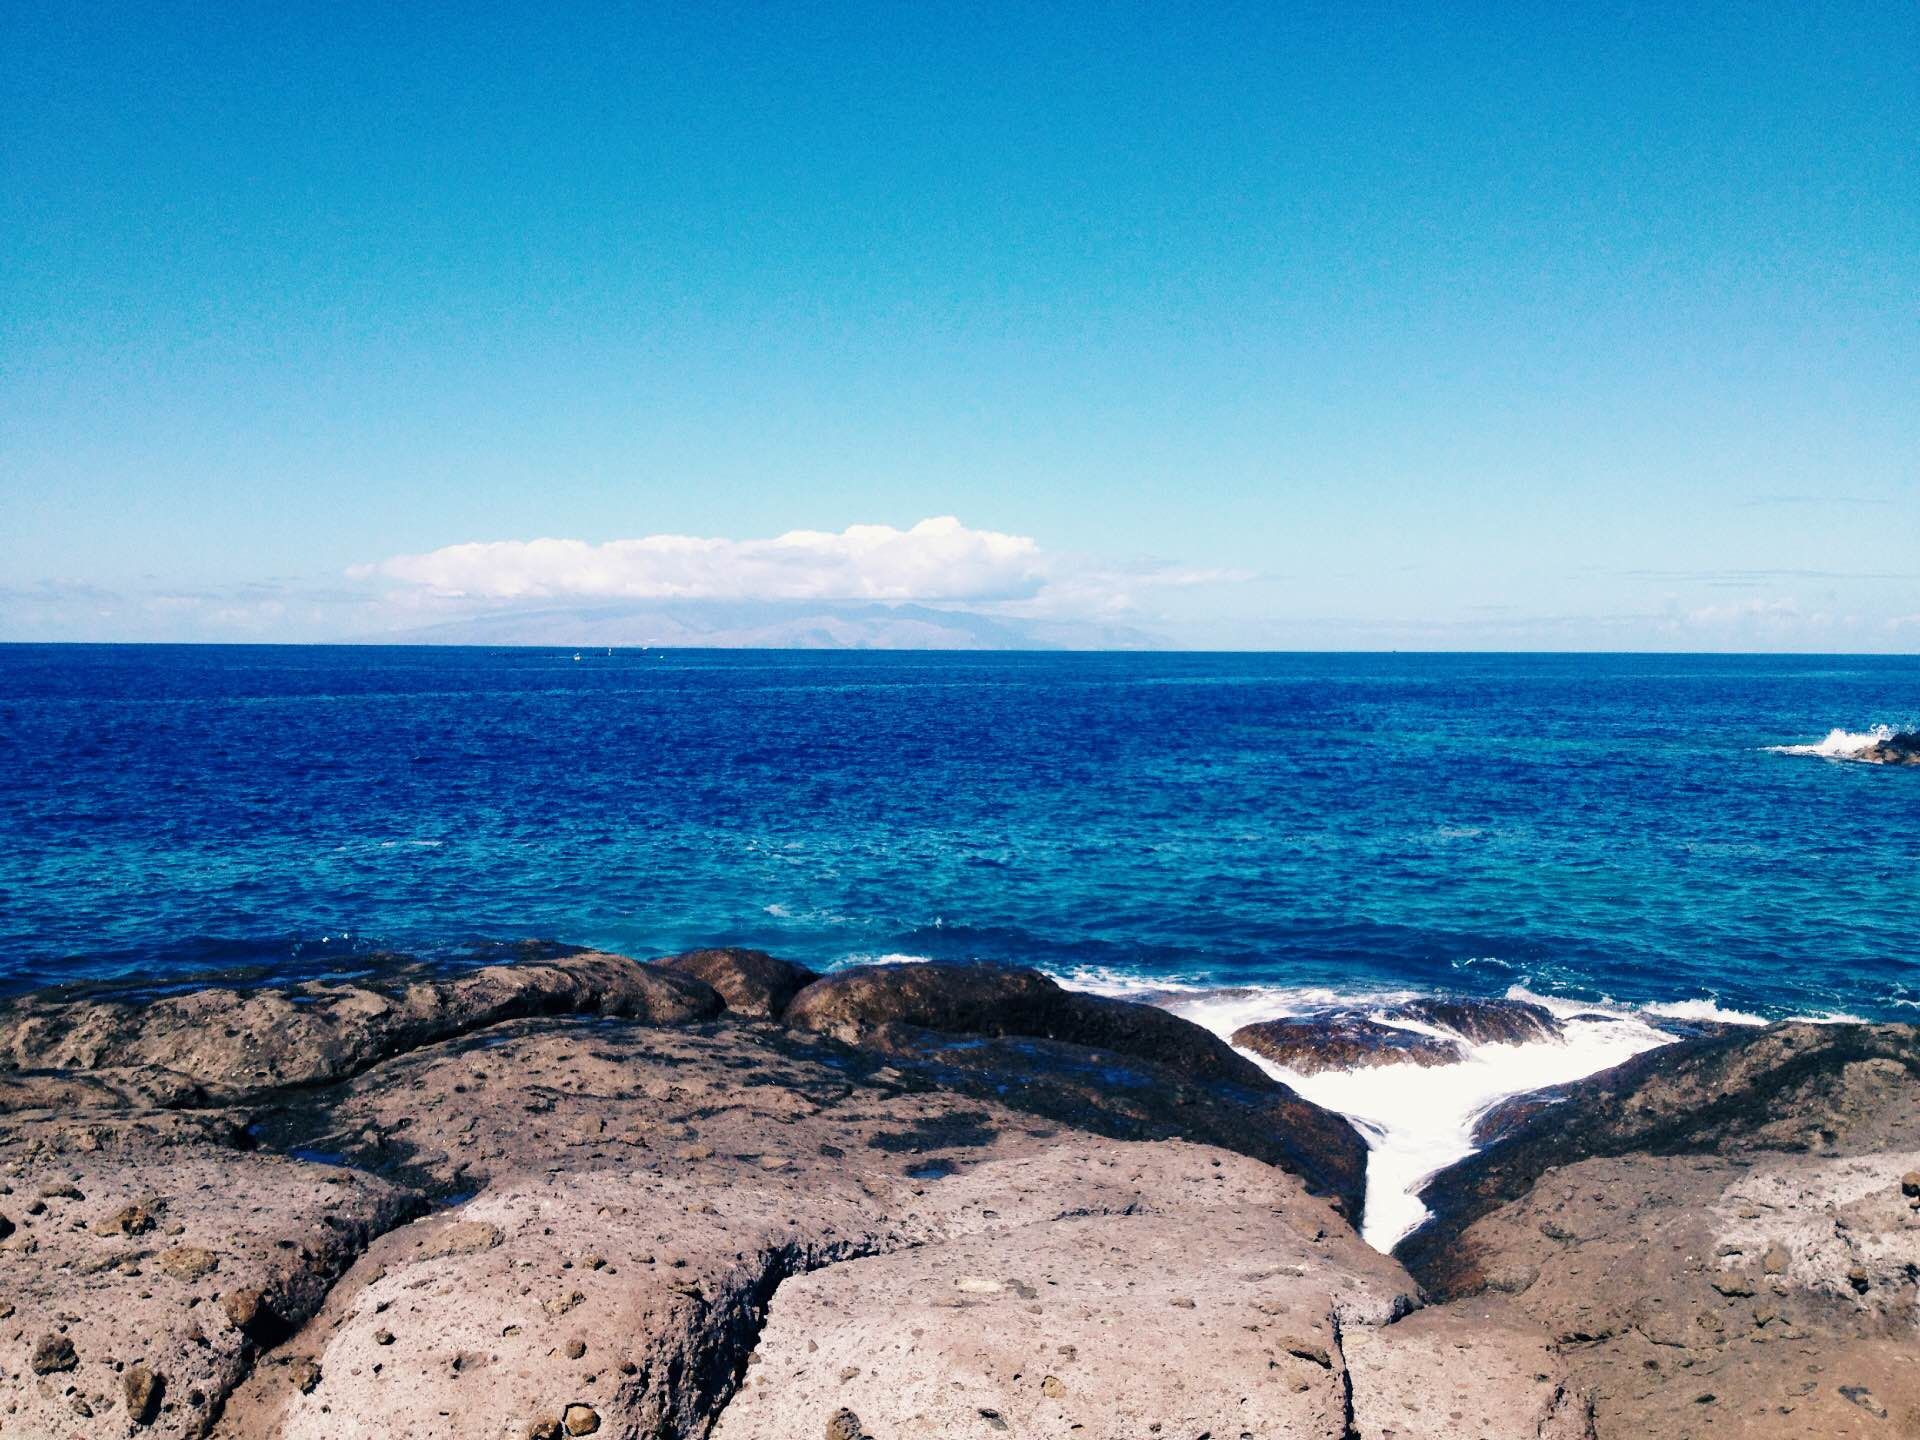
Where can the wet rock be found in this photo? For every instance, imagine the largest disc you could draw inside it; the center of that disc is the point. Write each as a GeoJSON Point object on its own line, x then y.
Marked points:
{"type": "Point", "coordinates": [1504, 1117]}
{"type": "Point", "coordinates": [142, 1390]}
{"type": "Point", "coordinates": [52, 1354]}
{"type": "Point", "coordinates": [752, 982]}
{"type": "Point", "coordinates": [1899, 749]}
{"type": "Point", "coordinates": [1007, 1001]}
{"type": "Point", "coordinates": [1482, 1020]}
{"type": "Point", "coordinates": [1343, 1040]}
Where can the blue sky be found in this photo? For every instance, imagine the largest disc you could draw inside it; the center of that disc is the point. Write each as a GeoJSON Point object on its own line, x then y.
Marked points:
{"type": "Point", "coordinates": [1290, 326]}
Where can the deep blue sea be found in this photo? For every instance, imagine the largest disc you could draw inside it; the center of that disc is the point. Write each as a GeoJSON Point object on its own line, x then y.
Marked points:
{"type": "Point", "coordinates": [1595, 826]}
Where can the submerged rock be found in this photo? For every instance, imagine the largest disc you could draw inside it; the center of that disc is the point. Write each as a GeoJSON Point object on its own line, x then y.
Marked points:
{"type": "Point", "coordinates": [1343, 1040]}
{"type": "Point", "coordinates": [1483, 1020]}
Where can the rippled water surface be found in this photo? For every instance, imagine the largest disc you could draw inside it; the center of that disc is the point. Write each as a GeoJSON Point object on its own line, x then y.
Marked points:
{"type": "Point", "coordinates": [1589, 826]}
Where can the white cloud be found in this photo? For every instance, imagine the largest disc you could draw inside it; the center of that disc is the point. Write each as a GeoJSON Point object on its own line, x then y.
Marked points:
{"type": "Point", "coordinates": [1755, 612]}
{"type": "Point", "coordinates": [936, 560]}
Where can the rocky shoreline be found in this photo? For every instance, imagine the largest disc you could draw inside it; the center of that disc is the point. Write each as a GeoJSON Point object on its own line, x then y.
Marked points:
{"type": "Point", "coordinates": [719, 1195]}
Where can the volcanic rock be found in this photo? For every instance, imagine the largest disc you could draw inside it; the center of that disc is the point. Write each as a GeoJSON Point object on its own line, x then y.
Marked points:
{"type": "Point", "coordinates": [752, 982]}
{"type": "Point", "coordinates": [1721, 1217]}
{"type": "Point", "coordinates": [142, 1390]}
{"type": "Point", "coordinates": [1342, 1040]}
{"type": "Point", "coordinates": [1482, 1020]}
{"type": "Point", "coordinates": [1899, 749]}
{"type": "Point", "coordinates": [243, 1041]}
{"type": "Point", "coordinates": [1004, 1001]}
{"type": "Point", "coordinates": [1796, 1087]}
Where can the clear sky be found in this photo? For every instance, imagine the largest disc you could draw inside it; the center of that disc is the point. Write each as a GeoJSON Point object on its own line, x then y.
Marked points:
{"type": "Point", "coordinates": [1279, 325]}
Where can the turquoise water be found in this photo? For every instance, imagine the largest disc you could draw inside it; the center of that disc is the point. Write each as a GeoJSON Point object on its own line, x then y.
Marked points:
{"type": "Point", "coordinates": [1595, 826]}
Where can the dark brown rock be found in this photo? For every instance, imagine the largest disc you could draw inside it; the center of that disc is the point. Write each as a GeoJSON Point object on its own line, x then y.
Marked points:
{"type": "Point", "coordinates": [52, 1354]}
{"type": "Point", "coordinates": [1004, 1000]}
{"type": "Point", "coordinates": [752, 982]}
{"type": "Point", "coordinates": [1342, 1040]}
{"type": "Point", "coordinates": [143, 1390]}
{"type": "Point", "coordinates": [1482, 1020]}
{"type": "Point", "coordinates": [1501, 1119]}
{"type": "Point", "coordinates": [132, 1220]}
{"type": "Point", "coordinates": [1900, 749]}
{"type": "Point", "coordinates": [1134, 1099]}
{"type": "Point", "coordinates": [248, 1311]}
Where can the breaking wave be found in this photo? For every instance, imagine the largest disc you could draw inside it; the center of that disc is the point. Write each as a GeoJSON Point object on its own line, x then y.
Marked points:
{"type": "Point", "coordinates": [1844, 744]}
{"type": "Point", "coordinates": [1419, 1119]}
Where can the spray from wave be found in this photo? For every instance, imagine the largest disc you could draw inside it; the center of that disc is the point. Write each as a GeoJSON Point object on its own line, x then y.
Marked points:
{"type": "Point", "coordinates": [1418, 1119]}
{"type": "Point", "coordinates": [1856, 744]}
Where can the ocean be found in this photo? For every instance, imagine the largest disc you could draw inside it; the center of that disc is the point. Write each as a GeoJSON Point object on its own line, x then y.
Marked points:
{"type": "Point", "coordinates": [1628, 838]}
{"type": "Point", "coordinates": [1600, 827]}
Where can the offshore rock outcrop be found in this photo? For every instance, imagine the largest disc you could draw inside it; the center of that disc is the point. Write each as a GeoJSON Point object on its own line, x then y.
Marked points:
{"type": "Point", "coordinates": [1901, 748]}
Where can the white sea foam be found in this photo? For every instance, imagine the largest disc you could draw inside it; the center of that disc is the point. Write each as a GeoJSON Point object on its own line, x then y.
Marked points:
{"type": "Point", "coordinates": [1831, 1017]}
{"type": "Point", "coordinates": [1706, 1008]}
{"type": "Point", "coordinates": [1415, 1119]}
{"type": "Point", "coordinates": [892, 957]}
{"type": "Point", "coordinates": [1840, 744]}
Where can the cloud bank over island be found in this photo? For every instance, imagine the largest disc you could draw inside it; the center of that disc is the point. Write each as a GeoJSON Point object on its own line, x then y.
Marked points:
{"type": "Point", "coordinates": [939, 559]}
{"type": "Point", "coordinates": [941, 583]}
